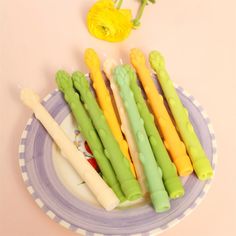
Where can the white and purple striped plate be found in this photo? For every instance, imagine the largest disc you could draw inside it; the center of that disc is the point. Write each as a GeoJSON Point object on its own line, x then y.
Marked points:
{"type": "Point", "coordinates": [59, 191]}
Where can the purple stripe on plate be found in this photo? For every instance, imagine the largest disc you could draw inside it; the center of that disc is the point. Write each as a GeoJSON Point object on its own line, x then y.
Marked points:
{"type": "Point", "coordinates": [21, 156]}
{"type": "Point", "coordinates": [35, 195]}
{"type": "Point", "coordinates": [213, 137]}
{"type": "Point", "coordinates": [191, 98]}
{"type": "Point", "coordinates": [23, 141]}
{"type": "Point", "coordinates": [207, 120]}
{"type": "Point", "coordinates": [23, 169]}
{"type": "Point", "coordinates": [180, 89]}
{"type": "Point", "coordinates": [73, 227]}
{"type": "Point", "coordinates": [145, 234]}
{"type": "Point", "coordinates": [89, 233]}
{"type": "Point", "coordinates": [57, 219]}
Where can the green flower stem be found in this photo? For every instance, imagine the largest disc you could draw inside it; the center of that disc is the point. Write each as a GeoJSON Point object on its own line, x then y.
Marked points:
{"type": "Point", "coordinates": [118, 3]}
{"type": "Point", "coordinates": [136, 21]}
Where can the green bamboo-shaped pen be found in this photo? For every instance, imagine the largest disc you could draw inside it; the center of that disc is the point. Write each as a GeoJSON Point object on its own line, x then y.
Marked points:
{"type": "Point", "coordinates": [120, 164]}
{"type": "Point", "coordinates": [158, 194]}
{"type": "Point", "coordinates": [65, 85]}
{"type": "Point", "coordinates": [201, 163]}
{"type": "Point", "coordinates": [171, 180]}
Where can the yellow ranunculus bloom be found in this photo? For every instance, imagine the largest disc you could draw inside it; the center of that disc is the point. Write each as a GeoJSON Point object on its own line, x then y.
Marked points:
{"type": "Point", "coordinates": [106, 22]}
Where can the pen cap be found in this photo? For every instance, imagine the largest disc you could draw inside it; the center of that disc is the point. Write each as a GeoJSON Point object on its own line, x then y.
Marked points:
{"type": "Point", "coordinates": [183, 165]}
{"type": "Point", "coordinates": [117, 190]}
{"type": "Point", "coordinates": [160, 201]}
{"type": "Point", "coordinates": [174, 187]}
{"type": "Point", "coordinates": [107, 200]}
{"type": "Point", "coordinates": [202, 168]}
{"type": "Point", "coordinates": [132, 189]}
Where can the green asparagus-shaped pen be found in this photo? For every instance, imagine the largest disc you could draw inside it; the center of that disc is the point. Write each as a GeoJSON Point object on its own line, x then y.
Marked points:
{"type": "Point", "coordinates": [65, 85]}
{"type": "Point", "coordinates": [171, 180]}
{"type": "Point", "coordinates": [158, 194]}
{"type": "Point", "coordinates": [120, 164]}
{"type": "Point", "coordinates": [201, 164]}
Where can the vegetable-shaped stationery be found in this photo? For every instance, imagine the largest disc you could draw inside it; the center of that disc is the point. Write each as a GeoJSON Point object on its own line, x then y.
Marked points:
{"type": "Point", "coordinates": [172, 141]}
{"type": "Point", "coordinates": [170, 178]}
{"type": "Point", "coordinates": [158, 194]}
{"type": "Point", "coordinates": [105, 196]}
{"type": "Point", "coordinates": [200, 162]}
{"type": "Point", "coordinates": [88, 131]}
{"type": "Point", "coordinates": [120, 164]}
{"type": "Point", "coordinates": [104, 99]}
{"type": "Point", "coordinates": [108, 67]}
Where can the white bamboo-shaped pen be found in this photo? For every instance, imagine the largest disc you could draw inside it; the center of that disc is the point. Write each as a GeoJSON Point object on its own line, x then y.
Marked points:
{"type": "Point", "coordinates": [104, 195]}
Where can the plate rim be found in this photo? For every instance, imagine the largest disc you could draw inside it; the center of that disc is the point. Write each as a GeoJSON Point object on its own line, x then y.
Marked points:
{"type": "Point", "coordinates": [157, 231]}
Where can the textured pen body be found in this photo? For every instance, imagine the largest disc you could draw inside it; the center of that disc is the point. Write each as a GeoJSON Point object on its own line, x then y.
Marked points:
{"type": "Point", "coordinates": [153, 173]}
{"type": "Point", "coordinates": [172, 141]}
{"type": "Point", "coordinates": [198, 157]}
{"type": "Point", "coordinates": [105, 196]}
{"type": "Point", "coordinates": [120, 164]}
{"type": "Point", "coordinates": [88, 131]}
{"type": "Point", "coordinates": [170, 178]}
{"type": "Point", "coordinates": [104, 100]}
{"type": "Point", "coordinates": [108, 67]}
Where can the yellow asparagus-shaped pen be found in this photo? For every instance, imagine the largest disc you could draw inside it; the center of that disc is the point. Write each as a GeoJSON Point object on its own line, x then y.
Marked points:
{"type": "Point", "coordinates": [104, 100]}
{"type": "Point", "coordinates": [172, 141]}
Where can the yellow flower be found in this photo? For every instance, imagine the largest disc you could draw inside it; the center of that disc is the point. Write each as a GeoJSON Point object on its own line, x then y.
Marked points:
{"type": "Point", "coordinates": [106, 22]}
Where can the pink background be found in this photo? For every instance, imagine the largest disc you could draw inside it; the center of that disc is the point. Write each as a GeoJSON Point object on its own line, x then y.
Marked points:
{"type": "Point", "coordinates": [198, 41]}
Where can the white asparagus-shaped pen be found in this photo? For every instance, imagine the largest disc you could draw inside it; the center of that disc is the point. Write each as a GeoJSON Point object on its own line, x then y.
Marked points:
{"type": "Point", "coordinates": [108, 66]}
{"type": "Point", "coordinates": [104, 194]}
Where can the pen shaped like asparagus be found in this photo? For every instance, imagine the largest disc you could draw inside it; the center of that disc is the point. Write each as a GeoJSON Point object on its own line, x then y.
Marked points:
{"type": "Point", "coordinates": [172, 141]}
{"type": "Point", "coordinates": [104, 100]}
{"type": "Point", "coordinates": [84, 123]}
{"type": "Point", "coordinates": [120, 164]}
{"type": "Point", "coordinates": [108, 67]}
{"type": "Point", "coordinates": [158, 194]}
{"type": "Point", "coordinates": [105, 196]}
{"type": "Point", "coordinates": [200, 162]}
{"type": "Point", "coordinates": [170, 178]}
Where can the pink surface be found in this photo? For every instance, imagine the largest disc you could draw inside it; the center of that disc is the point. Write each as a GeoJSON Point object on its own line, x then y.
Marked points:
{"type": "Point", "coordinates": [198, 40]}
